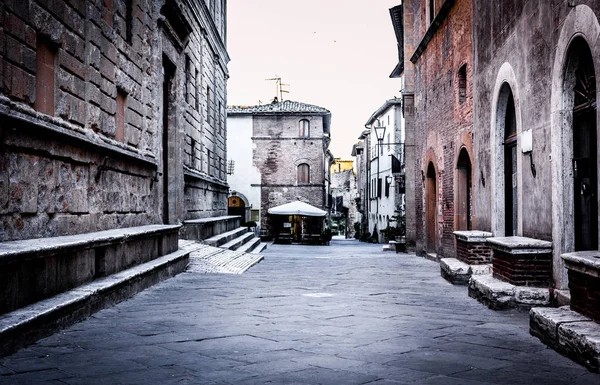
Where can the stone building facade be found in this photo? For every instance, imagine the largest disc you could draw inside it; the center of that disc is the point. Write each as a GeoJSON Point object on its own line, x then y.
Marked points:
{"type": "Point", "coordinates": [344, 193]}
{"type": "Point", "coordinates": [439, 35]}
{"type": "Point", "coordinates": [536, 78]}
{"type": "Point", "coordinates": [290, 149]}
{"type": "Point", "coordinates": [112, 114]}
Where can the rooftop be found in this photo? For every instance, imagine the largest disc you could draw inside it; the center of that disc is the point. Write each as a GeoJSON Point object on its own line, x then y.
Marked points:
{"type": "Point", "coordinates": [287, 106]}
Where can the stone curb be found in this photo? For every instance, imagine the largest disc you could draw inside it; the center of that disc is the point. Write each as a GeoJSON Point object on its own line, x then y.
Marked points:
{"type": "Point", "coordinates": [569, 333]}
{"type": "Point", "coordinates": [497, 294]}
{"type": "Point", "coordinates": [31, 323]}
{"type": "Point", "coordinates": [459, 273]}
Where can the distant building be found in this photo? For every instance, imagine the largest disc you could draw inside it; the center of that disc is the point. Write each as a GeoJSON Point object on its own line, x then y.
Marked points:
{"type": "Point", "coordinates": [344, 193]}
{"type": "Point", "coordinates": [386, 166]}
{"type": "Point", "coordinates": [289, 142]}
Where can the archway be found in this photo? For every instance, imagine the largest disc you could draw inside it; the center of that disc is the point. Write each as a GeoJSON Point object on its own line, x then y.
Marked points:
{"type": "Point", "coordinates": [431, 208]}
{"type": "Point", "coordinates": [464, 191]}
{"type": "Point", "coordinates": [236, 206]}
{"type": "Point", "coordinates": [580, 98]}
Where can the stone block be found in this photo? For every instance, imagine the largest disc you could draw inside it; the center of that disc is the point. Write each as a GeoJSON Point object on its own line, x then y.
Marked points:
{"type": "Point", "coordinates": [584, 282]}
{"type": "Point", "coordinates": [455, 271]}
{"type": "Point", "coordinates": [522, 261]}
{"type": "Point", "coordinates": [492, 292]}
{"type": "Point", "coordinates": [544, 321]}
{"type": "Point", "coordinates": [581, 341]}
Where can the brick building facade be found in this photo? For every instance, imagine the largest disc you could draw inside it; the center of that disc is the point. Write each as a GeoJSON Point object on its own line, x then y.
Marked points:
{"type": "Point", "coordinates": [441, 33]}
{"type": "Point", "coordinates": [291, 141]}
{"type": "Point", "coordinates": [112, 114]}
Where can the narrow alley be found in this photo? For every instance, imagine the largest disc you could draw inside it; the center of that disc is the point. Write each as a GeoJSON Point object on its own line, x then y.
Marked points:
{"type": "Point", "coordinates": [344, 314]}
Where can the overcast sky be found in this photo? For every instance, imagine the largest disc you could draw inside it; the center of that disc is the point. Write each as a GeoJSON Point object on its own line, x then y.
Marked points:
{"type": "Point", "coordinates": [337, 54]}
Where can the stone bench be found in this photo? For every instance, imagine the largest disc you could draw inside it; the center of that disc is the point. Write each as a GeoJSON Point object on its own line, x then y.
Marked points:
{"type": "Point", "coordinates": [472, 247]}
{"type": "Point", "coordinates": [35, 269]}
{"type": "Point", "coordinates": [521, 274]}
{"type": "Point", "coordinates": [204, 228]}
{"type": "Point", "coordinates": [584, 282]}
{"type": "Point", "coordinates": [522, 261]}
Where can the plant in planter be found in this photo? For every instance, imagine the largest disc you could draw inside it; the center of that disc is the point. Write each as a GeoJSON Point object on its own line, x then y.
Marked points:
{"type": "Point", "coordinates": [249, 225]}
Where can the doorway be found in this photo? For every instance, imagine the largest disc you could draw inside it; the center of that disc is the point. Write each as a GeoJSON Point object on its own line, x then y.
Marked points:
{"type": "Point", "coordinates": [511, 202]}
{"type": "Point", "coordinates": [431, 208]}
{"type": "Point", "coordinates": [167, 112]}
{"type": "Point", "coordinates": [585, 174]}
{"type": "Point", "coordinates": [464, 193]}
{"type": "Point", "coordinates": [236, 206]}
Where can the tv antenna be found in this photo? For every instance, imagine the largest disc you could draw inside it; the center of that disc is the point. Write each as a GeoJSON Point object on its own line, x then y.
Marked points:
{"type": "Point", "coordinates": [279, 91]}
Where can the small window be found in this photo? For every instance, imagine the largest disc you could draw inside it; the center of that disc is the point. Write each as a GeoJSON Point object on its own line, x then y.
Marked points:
{"type": "Point", "coordinates": [303, 173]}
{"type": "Point", "coordinates": [207, 104]}
{"type": "Point", "coordinates": [387, 188]}
{"type": "Point", "coordinates": [304, 128]}
{"type": "Point", "coordinates": [379, 182]}
{"type": "Point", "coordinates": [462, 83]}
{"type": "Point", "coordinates": [129, 21]}
{"type": "Point", "coordinates": [188, 77]}
{"type": "Point", "coordinates": [120, 116]}
{"type": "Point", "coordinates": [219, 118]}
{"type": "Point", "coordinates": [45, 76]}
{"type": "Point", "coordinates": [197, 90]}
{"type": "Point", "coordinates": [254, 213]}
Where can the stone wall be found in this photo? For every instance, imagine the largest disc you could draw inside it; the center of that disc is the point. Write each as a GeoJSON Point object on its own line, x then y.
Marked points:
{"type": "Point", "coordinates": [82, 130]}
{"type": "Point", "coordinates": [443, 114]}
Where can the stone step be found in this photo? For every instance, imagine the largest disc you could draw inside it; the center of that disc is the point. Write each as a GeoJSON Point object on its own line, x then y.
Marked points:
{"type": "Point", "coordinates": [217, 260]}
{"type": "Point", "coordinates": [250, 245]}
{"type": "Point", "coordinates": [260, 248]}
{"type": "Point", "coordinates": [66, 262]}
{"type": "Point", "coordinates": [432, 257]}
{"type": "Point", "coordinates": [238, 242]}
{"type": "Point", "coordinates": [41, 319]}
{"type": "Point", "coordinates": [223, 238]}
{"type": "Point", "coordinates": [205, 228]}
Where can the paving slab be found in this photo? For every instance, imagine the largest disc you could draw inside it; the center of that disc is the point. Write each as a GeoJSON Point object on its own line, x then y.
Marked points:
{"type": "Point", "coordinates": [340, 314]}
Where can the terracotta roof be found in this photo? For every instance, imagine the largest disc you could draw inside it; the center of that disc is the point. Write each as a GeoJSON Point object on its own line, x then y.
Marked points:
{"type": "Point", "coordinates": [287, 106]}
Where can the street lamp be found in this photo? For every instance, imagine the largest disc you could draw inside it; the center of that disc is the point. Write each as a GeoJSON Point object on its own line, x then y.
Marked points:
{"type": "Point", "coordinates": [379, 133]}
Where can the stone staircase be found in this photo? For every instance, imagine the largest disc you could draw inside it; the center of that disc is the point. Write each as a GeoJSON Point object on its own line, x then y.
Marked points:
{"type": "Point", "coordinates": [232, 250]}
{"type": "Point", "coordinates": [210, 259]}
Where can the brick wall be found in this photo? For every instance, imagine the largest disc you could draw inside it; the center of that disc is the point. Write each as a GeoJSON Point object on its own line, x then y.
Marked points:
{"type": "Point", "coordinates": [473, 253]}
{"type": "Point", "coordinates": [585, 294]}
{"type": "Point", "coordinates": [523, 269]}
{"type": "Point", "coordinates": [65, 168]}
{"type": "Point", "coordinates": [442, 115]}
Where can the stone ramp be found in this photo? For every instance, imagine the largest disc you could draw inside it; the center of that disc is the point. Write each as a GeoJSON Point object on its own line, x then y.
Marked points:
{"type": "Point", "coordinates": [209, 259]}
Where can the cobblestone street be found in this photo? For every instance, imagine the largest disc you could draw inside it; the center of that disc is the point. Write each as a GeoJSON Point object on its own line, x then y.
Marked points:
{"type": "Point", "coordinates": [344, 314]}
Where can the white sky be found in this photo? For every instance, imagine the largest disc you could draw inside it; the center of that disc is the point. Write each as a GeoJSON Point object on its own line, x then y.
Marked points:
{"type": "Point", "coordinates": [337, 54]}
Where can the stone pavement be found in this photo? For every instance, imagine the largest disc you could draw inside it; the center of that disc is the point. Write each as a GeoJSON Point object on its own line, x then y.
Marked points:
{"type": "Point", "coordinates": [344, 314]}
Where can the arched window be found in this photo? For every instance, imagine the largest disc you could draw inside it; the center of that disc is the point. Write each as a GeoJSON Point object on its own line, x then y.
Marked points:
{"type": "Point", "coordinates": [303, 173]}
{"type": "Point", "coordinates": [462, 83]}
{"type": "Point", "coordinates": [304, 131]}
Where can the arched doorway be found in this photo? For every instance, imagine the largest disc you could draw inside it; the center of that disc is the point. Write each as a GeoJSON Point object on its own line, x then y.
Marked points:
{"type": "Point", "coordinates": [236, 206]}
{"type": "Point", "coordinates": [431, 208]}
{"type": "Point", "coordinates": [580, 91]}
{"type": "Point", "coordinates": [506, 126]}
{"type": "Point", "coordinates": [464, 191]}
